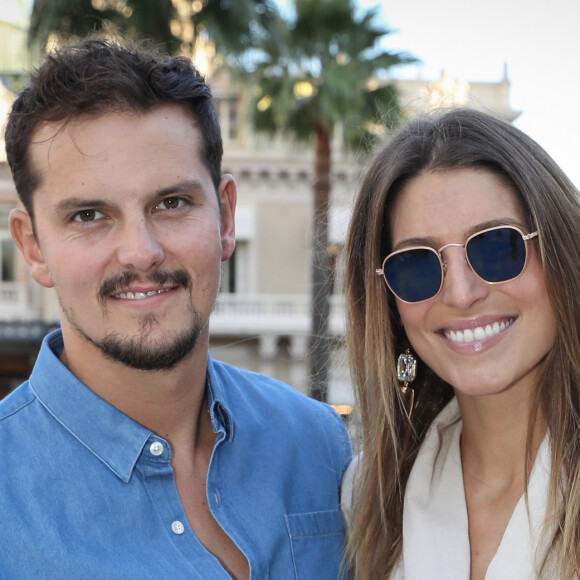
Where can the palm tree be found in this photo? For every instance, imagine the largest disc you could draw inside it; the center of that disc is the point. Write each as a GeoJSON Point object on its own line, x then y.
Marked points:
{"type": "Point", "coordinates": [313, 74]}
{"type": "Point", "coordinates": [326, 72]}
{"type": "Point", "coordinates": [233, 26]}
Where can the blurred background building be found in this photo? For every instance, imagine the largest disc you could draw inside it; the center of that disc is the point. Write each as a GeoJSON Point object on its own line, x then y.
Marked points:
{"type": "Point", "coordinates": [262, 317]}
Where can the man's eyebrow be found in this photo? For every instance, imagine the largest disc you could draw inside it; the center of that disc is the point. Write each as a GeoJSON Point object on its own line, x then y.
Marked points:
{"type": "Point", "coordinates": [190, 185]}
{"type": "Point", "coordinates": [77, 203]}
{"type": "Point", "coordinates": [72, 204]}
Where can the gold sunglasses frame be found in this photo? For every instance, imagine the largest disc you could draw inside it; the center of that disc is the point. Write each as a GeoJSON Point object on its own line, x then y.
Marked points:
{"type": "Point", "coordinates": [526, 237]}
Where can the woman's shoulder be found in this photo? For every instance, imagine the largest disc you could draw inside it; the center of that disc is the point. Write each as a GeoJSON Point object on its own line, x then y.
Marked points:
{"type": "Point", "coordinates": [348, 486]}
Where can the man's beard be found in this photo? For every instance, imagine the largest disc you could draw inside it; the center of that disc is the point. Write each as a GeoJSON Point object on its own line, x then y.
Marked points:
{"type": "Point", "coordinates": [136, 352]}
{"type": "Point", "coordinates": [162, 355]}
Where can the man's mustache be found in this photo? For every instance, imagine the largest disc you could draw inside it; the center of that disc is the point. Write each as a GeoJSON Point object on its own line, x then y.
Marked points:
{"type": "Point", "coordinates": [119, 282]}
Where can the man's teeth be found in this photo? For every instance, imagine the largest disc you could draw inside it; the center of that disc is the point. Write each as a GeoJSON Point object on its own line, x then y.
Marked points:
{"type": "Point", "coordinates": [139, 295]}
{"type": "Point", "coordinates": [478, 333]}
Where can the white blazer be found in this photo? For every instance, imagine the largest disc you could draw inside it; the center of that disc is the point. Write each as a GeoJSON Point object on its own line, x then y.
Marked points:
{"type": "Point", "coordinates": [435, 528]}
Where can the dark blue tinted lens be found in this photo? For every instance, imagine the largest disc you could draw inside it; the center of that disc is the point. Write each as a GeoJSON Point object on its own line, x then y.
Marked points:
{"type": "Point", "coordinates": [497, 255]}
{"type": "Point", "coordinates": [414, 275]}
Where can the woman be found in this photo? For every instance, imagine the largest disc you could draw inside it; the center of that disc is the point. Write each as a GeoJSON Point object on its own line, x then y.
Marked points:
{"type": "Point", "coordinates": [463, 327]}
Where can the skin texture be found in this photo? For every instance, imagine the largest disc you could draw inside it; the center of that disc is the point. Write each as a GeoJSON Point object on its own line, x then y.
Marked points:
{"type": "Point", "coordinates": [446, 207]}
{"type": "Point", "coordinates": [126, 209]}
{"type": "Point", "coordinates": [145, 213]}
{"type": "Point", "coordinates": [495, 377]}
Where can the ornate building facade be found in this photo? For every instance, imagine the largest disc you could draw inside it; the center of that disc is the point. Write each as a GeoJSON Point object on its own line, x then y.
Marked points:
{"type": "Point", "coordinates": [261, 320]}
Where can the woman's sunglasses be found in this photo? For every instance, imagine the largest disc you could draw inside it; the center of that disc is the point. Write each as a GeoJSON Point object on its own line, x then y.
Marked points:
{"type": "Point", "coordinates": [495, 255]}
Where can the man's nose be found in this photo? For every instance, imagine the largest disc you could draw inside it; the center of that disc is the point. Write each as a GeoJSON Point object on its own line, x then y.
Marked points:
{"type": "Point", "coordinates": [139, 247]}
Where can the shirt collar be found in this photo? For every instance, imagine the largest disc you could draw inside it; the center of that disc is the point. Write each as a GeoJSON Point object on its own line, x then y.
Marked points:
{"type": "Point", "coordinates": [105, 431]}
{"type": "Point", "coordinates": [218, 401]}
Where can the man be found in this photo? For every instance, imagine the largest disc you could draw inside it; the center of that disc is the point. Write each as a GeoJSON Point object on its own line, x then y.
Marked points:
{"type": "Point", "coordinates": [130, 453]}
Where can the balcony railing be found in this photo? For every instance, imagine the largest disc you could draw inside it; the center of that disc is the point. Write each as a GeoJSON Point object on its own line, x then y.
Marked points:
{"type": "Point", "coordinates": [234, 314]}
{"type": "Point", "coordinates": [280, 314]}
{"type": "Point", "coordinates": [15, 302]}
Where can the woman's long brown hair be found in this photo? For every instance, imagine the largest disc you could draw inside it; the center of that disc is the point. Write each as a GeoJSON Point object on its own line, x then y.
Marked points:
{"type": "Point", "coordinates": [453, 139]}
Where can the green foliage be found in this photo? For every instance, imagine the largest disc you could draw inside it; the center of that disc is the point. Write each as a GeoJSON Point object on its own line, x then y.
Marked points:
{"type": "Point", "coordinates": [14, 82]}
{"type": "Point", "coordinates": [327, 68]}
{"type": "Point", "coordinates": [233, 25]}
{"type": "Point", "coordinates": [238, 25]}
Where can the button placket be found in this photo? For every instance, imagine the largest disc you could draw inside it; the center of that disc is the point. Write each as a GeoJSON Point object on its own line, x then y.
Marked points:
{"type": "Point", "coordinates": [177, 527]}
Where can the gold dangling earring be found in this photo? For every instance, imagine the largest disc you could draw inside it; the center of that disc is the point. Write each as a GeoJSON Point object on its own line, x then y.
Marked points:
{"type": "Point", "coordinates": [406, 373]}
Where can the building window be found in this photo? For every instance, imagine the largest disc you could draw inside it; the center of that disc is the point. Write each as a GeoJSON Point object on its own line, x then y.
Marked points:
{"type": "Point", "coordinates": [228, 113]}
{"type": "Point", "coordinates": [235, 271]}
{"type": "Point", "coordinates": [336, 256]}
{"type": "Point", "coordinates": [229, 274]}
{"type": "Point", "coordinates": [233, 118]}
{"type": "Point", "coordinates": [7, 249]}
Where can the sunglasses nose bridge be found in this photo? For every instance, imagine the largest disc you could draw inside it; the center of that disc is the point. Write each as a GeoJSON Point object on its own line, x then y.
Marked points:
{"type": "Point", "coordinates": [443, 260]}
{"type": "Point", "coordinates": [442, 248]}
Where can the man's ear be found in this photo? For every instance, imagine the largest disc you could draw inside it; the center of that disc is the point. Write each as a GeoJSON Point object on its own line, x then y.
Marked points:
{"type": "Point", "coordinates": [228, 196]}
{"type": "Point", "coordinates": [22, 232]}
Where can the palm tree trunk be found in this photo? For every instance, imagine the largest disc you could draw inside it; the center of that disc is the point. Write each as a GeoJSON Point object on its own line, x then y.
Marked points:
{"type": "Point", "coordinates": [319, 351]}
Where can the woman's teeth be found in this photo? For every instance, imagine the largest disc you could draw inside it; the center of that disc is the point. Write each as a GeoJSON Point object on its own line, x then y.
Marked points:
{"type": "Point", "coordinates": [139, 295]}
{"type": "Point", "coordinates": [478, 333]}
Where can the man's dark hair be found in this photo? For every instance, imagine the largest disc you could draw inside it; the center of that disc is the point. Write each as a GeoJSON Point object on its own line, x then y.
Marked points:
{"type": "Point", "coordinates": [97, 76]}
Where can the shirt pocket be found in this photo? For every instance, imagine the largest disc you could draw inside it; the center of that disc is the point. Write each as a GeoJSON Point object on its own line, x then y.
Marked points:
{"type": "Point", "coordinates": [317, 542]}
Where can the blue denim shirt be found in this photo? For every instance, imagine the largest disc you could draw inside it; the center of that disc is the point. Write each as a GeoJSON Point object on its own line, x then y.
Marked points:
{"type": "Point", "coordinates": [87, 493]}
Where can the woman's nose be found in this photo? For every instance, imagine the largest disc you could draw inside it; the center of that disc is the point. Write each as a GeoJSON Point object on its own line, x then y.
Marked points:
{"type": "Point", "coordinates": [461, 286]}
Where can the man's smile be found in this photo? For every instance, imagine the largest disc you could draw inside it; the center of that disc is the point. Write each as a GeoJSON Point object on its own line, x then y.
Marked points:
{"type": "Point", "coordinates": [140, 295]}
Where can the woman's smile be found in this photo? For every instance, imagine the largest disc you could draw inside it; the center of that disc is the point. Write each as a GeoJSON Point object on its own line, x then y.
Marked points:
{"type": "Point", "coordinates": [479, 332]}
{"type": "Point", "coordinates": [480, 337]}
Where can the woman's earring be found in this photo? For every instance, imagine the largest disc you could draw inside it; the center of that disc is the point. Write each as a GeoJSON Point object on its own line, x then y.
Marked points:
{"type": "Point", "coordinates": [406, 373]}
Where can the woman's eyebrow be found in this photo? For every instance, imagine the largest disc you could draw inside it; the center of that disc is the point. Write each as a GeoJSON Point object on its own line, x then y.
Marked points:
{"type": "Point", "coordinates": [495, 223]}
{"type": "Point", "coordinates": [417, 241]}
{"type": "Point", "coordinates": [435, 243]}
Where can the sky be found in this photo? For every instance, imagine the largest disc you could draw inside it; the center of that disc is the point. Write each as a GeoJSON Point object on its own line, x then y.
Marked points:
{"type": "Point", "coordinates": [473, 41]}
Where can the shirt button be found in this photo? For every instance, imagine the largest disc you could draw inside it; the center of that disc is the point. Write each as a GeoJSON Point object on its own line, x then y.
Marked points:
{"type": "Point", "coordinates": [177, 527]}
{"type": "Point", "coordinates": [216, 498]}
{"type": "Point", "coordinates": [156, 448]}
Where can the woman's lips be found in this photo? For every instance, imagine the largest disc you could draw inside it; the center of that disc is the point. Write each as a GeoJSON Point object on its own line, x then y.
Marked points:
{"type": "Point", "coordinates": [478, 333]}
